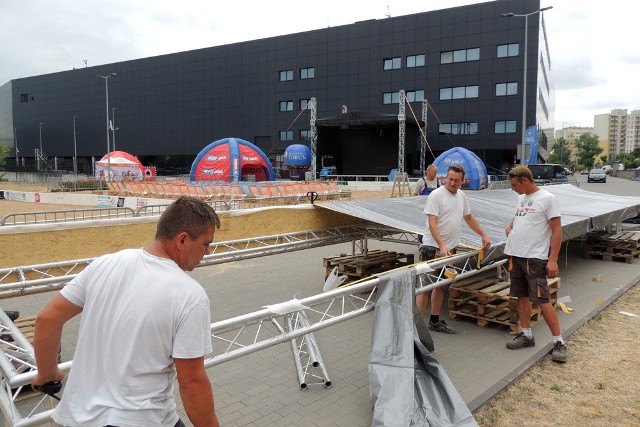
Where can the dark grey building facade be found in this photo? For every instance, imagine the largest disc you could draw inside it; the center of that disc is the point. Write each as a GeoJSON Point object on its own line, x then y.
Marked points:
{"type": "Point", "coordinates": [467, 62]}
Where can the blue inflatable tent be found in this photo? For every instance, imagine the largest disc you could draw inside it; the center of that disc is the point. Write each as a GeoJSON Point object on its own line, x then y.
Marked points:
{"type": "Point", "coordinates": [475, 176]}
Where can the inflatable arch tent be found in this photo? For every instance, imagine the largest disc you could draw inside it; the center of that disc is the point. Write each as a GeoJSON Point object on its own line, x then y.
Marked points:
{"type": "Point", "coordinates": [231, 160]}
{"type": "Point", "coordinates": [123, 167]}
{"type": "Point", "coordinates": [475, 172]}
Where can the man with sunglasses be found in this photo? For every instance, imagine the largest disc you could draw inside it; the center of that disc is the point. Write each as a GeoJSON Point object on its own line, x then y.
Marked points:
{"type": "Point", "coordinates": [534, 236]}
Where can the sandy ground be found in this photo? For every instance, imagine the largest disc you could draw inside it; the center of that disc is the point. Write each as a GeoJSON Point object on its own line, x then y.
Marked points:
{"type": "Point", "coordinates": [599, 386]}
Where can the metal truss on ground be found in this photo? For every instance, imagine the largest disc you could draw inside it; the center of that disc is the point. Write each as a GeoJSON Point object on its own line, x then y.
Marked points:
{"type": "Point", "coordinates": [292, 321]}
{"type": "Point", "coordinates": [25, 280]}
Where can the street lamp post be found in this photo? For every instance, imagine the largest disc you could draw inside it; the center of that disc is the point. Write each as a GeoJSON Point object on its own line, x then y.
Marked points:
{"type": "Point", "coordinates": [75, 154]}
{"type": "Point", "coordinates": [106, 100]}
{"type": "Point", "coordinates": [15, 142]}
{"type": "Point", "coordinates": [524, 78]}
{"type": "Point", "coordinates": [113, 127]}
{"type": "Point", "coordinates": [40, 152]}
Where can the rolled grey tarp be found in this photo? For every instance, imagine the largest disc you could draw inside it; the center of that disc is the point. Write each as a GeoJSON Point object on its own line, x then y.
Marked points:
{"type": "Point", "coordinates": [408, 386]}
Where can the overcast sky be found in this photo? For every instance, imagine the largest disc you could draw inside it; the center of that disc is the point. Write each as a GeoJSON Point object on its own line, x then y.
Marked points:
{"type": "Point", "coordinates": [594, 53]}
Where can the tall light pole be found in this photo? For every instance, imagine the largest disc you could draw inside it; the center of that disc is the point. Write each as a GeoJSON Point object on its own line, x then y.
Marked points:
{"type": "Point", "coordinates": [75, 152]}
{"type": "Point", "coordinates": [40, 152]}
{"type": "Point", "coordinates": [113, 127]}
{"type": "Point", "coordinates": [106, 100]}
{"type": "Point", "coordinates": [15, 141]}
{"type": "Point", "coordinates": [524, 78]}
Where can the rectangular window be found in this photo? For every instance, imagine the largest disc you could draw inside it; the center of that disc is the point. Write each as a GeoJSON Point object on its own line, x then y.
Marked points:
{"type": "Point", "coordinates": [307, 73]}
{"type": "Point", "coordinates": [471, 92]}
{"type": "Point", "coordinates": [446, 57]}
{"type": "Point", "coordinates": [505, 126]}
{"type": "Point", "coordinates": [415, 95]}
{"type": "Point", "coordinates": [503, 89]}
{"type": "Point", "coordinates": [24, 97]}
{"type": "Point", "coordinates": [458, 128]}
{"type": "Point", "coordinates": [305, 135]}
{"type": "Point", "coordinates": [461, 55]}
{"type": "Point", "coordinates": [286, 105]}
{"type": "Point", "coordinates": [415, 61]}
{"type": "Point", "coordinates": [473, 54]}
{"type": "Point", "coordinates": [392, 63]}
{"type": "Point", "coordinates": [286, 135]}
{"type": "Point", "coordinates": [459, 92]}
{"type": "Point", "coordinates": [505, 50]}
{"type": "Point", "coordinates": [446, 93]}
{"type": "Point", "coordinates": [286, 75]}
{"type": "Point", "coordinates": [305, 103]}
{"type": "Point", "coordinates": [391, 97]}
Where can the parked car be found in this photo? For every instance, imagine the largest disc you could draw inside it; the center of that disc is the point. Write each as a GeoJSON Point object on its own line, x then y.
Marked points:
{"type": "Point", "coordinates": [548, 173]}
{"type": "Point", "coordinates": [597, 175]}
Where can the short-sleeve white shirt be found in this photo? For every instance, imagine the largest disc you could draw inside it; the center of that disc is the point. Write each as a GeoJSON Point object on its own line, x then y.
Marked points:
{"type": "Point", "coordinates": [450, 210]}
{"type": "Point", "coordinates": [139, 313]}
{"type": "Point", "coordinates": [530, 236]}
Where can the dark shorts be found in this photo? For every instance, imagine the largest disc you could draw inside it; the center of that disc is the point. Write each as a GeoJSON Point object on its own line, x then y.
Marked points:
{"type": "Point", "coordinates": [529, 279]}
{"type": "Point", "coordinates": [430, 252]}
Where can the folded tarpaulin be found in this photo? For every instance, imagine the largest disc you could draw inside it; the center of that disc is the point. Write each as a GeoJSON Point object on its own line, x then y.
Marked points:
{"type": "Point", "coordinates": [408, 386]}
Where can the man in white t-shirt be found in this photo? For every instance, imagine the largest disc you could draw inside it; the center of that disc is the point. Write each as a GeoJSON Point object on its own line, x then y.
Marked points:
{"type": "Point", "coordinates": [429, 182]}
{"type": "Point", "coordinates": [534, 236]}
{"type": "Point", "coordinates": [446, 207]}
{"type": "Point", "coordinates": [144, 322]}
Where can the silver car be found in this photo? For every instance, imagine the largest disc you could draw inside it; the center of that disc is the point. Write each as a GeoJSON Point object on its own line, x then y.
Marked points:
{"type": "Point", "coordinates": [597, 175]}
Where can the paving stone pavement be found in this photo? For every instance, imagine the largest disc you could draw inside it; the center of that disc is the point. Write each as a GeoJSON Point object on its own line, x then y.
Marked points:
{"type": "Point", "coordinates": [262, 389]}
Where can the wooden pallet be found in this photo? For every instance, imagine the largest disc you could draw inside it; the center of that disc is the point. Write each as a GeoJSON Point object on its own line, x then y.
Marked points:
{"type": "Point", "coordinates": [359, 266]}
{"type": "Point", "coordinates": [624, 240]}
{"type": "Point", "coordinates": [628, 256]}
{"type": "Point", "coordinates": [486, 299]}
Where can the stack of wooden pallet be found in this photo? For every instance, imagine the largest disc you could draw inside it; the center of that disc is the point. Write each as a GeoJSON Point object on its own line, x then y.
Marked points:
{"type": "Point", "coordinates": [486, 298]}
{"type": "Point", "coordinates": [622, 247]}
{"type": "Point", "coordinates": [360, 265]}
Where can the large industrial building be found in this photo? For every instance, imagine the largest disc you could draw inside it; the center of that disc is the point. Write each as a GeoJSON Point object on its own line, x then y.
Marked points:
{"type": "Point", "coordinates": [467, 62]}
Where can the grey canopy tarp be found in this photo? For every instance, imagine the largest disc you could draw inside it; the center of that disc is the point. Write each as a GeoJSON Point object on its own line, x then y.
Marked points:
{"type": "Point", "coordinates": [582, 211]}
{"type": "Point", "coordinates": [407, 384]}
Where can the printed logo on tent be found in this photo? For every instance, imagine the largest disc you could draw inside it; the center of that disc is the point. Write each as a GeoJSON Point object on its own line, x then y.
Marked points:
{"type": "Point", "coordinates": [250, 159]}
{"type": "Point", "coordinates": [216, 158]}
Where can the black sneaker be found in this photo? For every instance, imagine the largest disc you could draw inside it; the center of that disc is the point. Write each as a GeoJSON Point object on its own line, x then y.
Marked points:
{"type": "Point", "coordinates": [559, 352]}
{"type": "Point", "coordinates": [521, 341]}
{"type": "Point", "coordinates": [441, 327]}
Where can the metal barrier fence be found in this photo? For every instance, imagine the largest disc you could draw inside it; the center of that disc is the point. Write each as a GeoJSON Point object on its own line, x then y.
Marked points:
{"type": "Point", "coordinates": [43, 217]}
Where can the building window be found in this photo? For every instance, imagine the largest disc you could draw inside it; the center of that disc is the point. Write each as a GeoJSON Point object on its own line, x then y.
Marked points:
{"type": "Point", "coordinates": [460, 55]}
{"type": "Point", "coordinates": [503, 89]}
{"type": "Point", "coordinates": [24, 97]}
{"type": "Point", "coordinates": [307, 73]}
{"type": "Point", "coordinates": [286, 105]}
{"type": "Point", "coordinates": [391, 97]}
{"type": "Point", "coordinates": [505, 50]}
{"type": "Point", "coordinates": [415, 61]}
{"type": "Point", "coordinates": [458, 92]}
{"type": "Point", "coordinates": [505, 126]}
{"type": "Point", "coordinates": [415, 95]}
{"type": "Point", "coordinates": [286, 135]}
{"type": "Point", "coordinates": [392, 63]}
{"type": "Point", "coordinates": [305, 135]}
{"type": "Point", "coordinates": [458, 128]}
{"type": "Point", "coordinates": [286, 75]}
{"type": "Point", "coordinates": [305, 103]}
